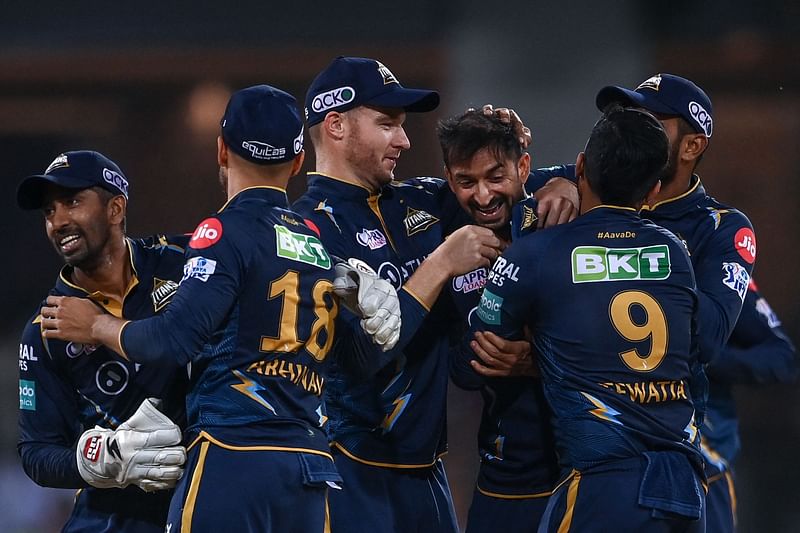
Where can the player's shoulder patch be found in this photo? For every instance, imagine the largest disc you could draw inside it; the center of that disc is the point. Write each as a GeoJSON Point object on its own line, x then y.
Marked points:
{"type": "Point", "coordinates": [207, 233]}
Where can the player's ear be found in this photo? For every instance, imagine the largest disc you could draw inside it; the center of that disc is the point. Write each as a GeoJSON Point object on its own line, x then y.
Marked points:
{"type": "Point", "coordinates": [117, 209]}
{"type": "Point", "coordinates": [297, 163]}
{"type": "Point", "coordinates": [652, 196]}
{"type": "Point", "coordinates": [222, 152]}
{"type": "Point", "coordinates": [333, 125]}
{"type": "Point", "coordinates": [524, 167]}
{"type": "Point", "coordinates": [580, 165]}
{"type": "Point", "coordinates": [693, 146]}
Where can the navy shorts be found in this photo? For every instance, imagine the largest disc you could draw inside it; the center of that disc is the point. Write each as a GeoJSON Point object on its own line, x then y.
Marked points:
{"type": "Point", "coordinates": [391, 500]}
{"type": "Point", "coordinates": [721, 500]}
{"type": "Point", "coordinates": [226, 488]}
{"type": "Point", "coordinates": [509, 514]}
{"type": "Point", "coordinates": [627, 496]}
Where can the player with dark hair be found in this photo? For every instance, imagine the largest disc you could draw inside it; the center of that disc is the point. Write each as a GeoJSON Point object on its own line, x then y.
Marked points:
{"type": "Point", "coordinates": [85, 419]}
{"type": "Point", "coordinates": [387, 415]}
{"type": "Point", "coordinates": [487, 168]}
{"type": "Point", "coordinates": [722, 246]}
{"type": "Point", "coordinates": [610, 302]}
{"type": "Point", "coordinates": [254, 316]}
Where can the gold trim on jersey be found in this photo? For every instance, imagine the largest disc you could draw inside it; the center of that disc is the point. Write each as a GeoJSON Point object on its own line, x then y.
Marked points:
{"type": "Point", "coordinates": [668, 200]}
{"type": "Point", "coordinates": [417, 298]}
{"type": "Point", "coordinates": [622, 207]}
{"type": "Point", "coordinates": [229, 200]}
{"type": "Point", "coordinates": [341, 180]}
{"type": "Point", "coordinates": [372, 202]}
{"type": "Point", "coordinates": [194, 487]}
{"type": "Point", "coordinates": [572, 496]}
{"type": "Point", "coordinates": [357, 459]}
{"type": "Point", "coordinates": [514, 496]}
{"type": "Point", "coordinates": [203, 436]}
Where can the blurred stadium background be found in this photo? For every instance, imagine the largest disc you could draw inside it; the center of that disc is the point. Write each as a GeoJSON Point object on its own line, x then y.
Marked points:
{"type": "Point", "coordinates": [146, 84]}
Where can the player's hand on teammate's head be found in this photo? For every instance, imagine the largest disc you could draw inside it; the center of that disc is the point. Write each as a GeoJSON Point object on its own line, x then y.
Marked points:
{"type": "Point", "coordinates": [501, 357]}
{"type": "Point", "coordinates": [509, 116]}
{"type": "Point", "coordinates": [558, 202]}
{"type": "Point", "coordinates": [70, 319]}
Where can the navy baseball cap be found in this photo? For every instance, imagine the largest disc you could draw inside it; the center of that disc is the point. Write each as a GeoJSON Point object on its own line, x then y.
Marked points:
{"type": "Point", "coordinates": [80, 169]}
{"type": "Point", "coordinates": [349, 82]}
{"type": "Point", "coordinates": [666, 94]}
{"type": "Point", "coordinates": [263, 125]}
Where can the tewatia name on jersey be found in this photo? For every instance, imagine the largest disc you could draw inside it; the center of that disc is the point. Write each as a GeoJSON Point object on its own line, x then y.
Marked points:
{"type": "Point", "coordinates": [650, 391]}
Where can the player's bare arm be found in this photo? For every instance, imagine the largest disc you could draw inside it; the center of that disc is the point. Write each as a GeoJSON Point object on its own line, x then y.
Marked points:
{"type": "Point", "coordinates": [501, 357]}
{"type": "Point", "coordinates": [80, 320]}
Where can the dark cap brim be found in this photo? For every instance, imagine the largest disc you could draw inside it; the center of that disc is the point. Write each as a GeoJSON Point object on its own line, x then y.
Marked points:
{"type": "Point", "coordinates": [612, 94]}
{"type": "Point", "coordinates": [411, 100]}
{"type": "Point", "coordinates": [30, 193]}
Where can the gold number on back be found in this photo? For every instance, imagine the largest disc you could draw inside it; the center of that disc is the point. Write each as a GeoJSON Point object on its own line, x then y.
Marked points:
{"type": "Point", "coordinates": [654, 328]}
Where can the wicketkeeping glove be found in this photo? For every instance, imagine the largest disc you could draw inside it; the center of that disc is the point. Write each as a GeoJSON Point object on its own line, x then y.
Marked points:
{"type": "Point", "coordinates": [372, 298]}
{"type": "Point", "coordinates": [144, 450]}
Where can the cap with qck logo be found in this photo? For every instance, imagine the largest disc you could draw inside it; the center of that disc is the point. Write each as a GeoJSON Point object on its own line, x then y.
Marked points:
{"type": "Point", "coordinates": [666, 94]}
{"type": "Point", "coordinates": [263, 125]}
{"type": "Point", "coordinates": [79, 169]}
{"type": "Point", "coordinates": [349, 82]}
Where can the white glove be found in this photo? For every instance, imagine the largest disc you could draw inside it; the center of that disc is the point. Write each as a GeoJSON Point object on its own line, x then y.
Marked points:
{"type": "Point", "coordinates": [372, 298]}
{"type": "Point", "coordinates": [144, 450]}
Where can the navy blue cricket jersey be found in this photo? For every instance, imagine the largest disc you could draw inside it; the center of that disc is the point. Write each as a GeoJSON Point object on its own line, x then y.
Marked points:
{"type": "Point", "coordinates": [388, 409]}
{"type": "Point", "coordinates": [515, 440]}
{"type": "Point", "coordinates": [757, 353]}
{"type": "Point", "coordinates": [66, 388]}
{"type": "Point", "coordinates": [610, 300]}
{"type": "Point", "coordinates": [254, 316]}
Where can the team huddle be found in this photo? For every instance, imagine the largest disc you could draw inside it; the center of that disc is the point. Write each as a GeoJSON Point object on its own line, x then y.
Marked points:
{"type": "Point", "coordinates": [285, 368]}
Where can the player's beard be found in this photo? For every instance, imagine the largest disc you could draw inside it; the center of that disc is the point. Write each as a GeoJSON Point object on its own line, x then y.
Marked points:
{"type": "Point", "coordinates": [90, 253]}
{"type": "Point", "coordinates": [668, 174]}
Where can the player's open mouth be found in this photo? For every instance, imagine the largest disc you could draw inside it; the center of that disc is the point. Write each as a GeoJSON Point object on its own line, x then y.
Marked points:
{"type": "Point", "coordinates": [491, 211]}
{"type": "Point", "coordinates": [69, 243]}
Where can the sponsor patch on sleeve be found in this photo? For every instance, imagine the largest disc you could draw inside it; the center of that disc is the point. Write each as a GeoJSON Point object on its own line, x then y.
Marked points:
{"type": "Point", "coordinates": [207, 233]}
{"type": "Point", "coordinates": [489, 308]}
{"type": "Point", "coordinates": [26, 356]}
{"type": "Point", "coordinates": [200, 268]}
{"type": "Point", "coordinates": [27, 395]}
{"type": "Point", "coordinates": [745, 243]}
{"type": "Point", "coordinates": [736, 278]}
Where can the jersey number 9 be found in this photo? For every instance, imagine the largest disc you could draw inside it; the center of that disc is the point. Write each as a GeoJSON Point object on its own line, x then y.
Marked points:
{"type": "Point", "coordinates": [653, 328]}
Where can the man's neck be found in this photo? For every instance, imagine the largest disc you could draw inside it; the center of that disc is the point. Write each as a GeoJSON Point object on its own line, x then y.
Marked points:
{"type": "Point", "coordinates": [239, 181]}
{"type": "Point", "coordinates": [111, 274]}
{"type": "Point", "coordinates": [330, 166]}
{"type": "Point", "coordinates": [679, 185]}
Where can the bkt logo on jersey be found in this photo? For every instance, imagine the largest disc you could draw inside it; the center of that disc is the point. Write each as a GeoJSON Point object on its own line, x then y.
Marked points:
{"type": "Point", "coordinates": [597, 263]}
{"type": "Point", "coordinates": [200, 268]}
{"type": "Point", "coordinates": [489, 308]}
{"type": "Point", "coordinates": [27, 395]}
{"type": "Point", "coordinates": [471, 281]}
{"type": "Point", "coordinates": [116, 180]}
{"type": "Point", "coordinates": [266, 152]}
{"type": "Point", "coordinates": [373, 238]}
{"type": "Point", "coordinates": [736, 278]}
{"type": "Point", "coordinates": [303, 248]}
{"type": "Point", "coordinates": [26, 356]}
{"type": "Point", "coordinates": [702, 117]}
{"type": "Point", "coordinates": [333, 98]}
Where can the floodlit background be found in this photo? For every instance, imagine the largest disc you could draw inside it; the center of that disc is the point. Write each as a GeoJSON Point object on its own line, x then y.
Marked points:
{"type": "Point", "coordinates": [146, 85]}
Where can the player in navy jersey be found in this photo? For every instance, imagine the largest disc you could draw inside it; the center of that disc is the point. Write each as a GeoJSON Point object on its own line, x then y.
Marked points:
{"type": "Point", "coordinates": [387, 413]}
{"type": "Point", "coordinates": [254, 316]}
{"type": "Point", "coordinates": [720, 239]}
{"type": "Point", "coordinates": [610, 302]}
{"type": "Point", "coordinates": [486, 168]}
{"type": "Point", "coordinates": [83, 401]}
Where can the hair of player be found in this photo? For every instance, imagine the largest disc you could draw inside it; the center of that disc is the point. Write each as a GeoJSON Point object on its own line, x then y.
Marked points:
{"type": "Point", "coordinates": [462, 136]}
{"type": "Point", "coordinates": [625, 155]}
